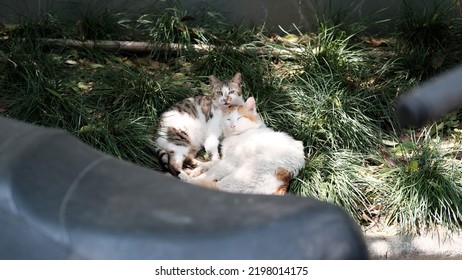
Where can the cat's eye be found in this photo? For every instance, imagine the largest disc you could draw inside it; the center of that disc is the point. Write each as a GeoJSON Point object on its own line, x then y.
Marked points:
{"type": "Point", "coordinates": [219, 92]}
{"type": "Point", "coordinates": [232, 92]}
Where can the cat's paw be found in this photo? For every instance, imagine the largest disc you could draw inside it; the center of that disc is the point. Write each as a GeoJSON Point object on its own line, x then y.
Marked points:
{"type": "Point", "coordinates": [184, 177]}
{"type": "Point", "coordinates": [196, 172]}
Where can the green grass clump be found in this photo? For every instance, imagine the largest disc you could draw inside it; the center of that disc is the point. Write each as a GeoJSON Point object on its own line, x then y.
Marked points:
{"type": "Point", "coordinates": [425, 190]}
{"type": "Point", "coordinates": [333, 50]}
{"type": "Point", "coordinates": [331, 117]}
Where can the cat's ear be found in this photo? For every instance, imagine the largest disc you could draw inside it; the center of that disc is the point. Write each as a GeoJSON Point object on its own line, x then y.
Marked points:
{"type": "Point", "coordinates": [251, 105]}
{"type": "Point", "coordinates": [213, 80]}
{"type": "Point", "coordinates": [237, 78]}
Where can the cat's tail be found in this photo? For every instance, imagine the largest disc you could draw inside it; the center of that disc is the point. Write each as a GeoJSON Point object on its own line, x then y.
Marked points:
{"type": "Point", "coordinates": [163, 158]}
{"type": "Point", "coordinates": [161, 154]}
{"type": "Point", "coordinates": [171, 165]}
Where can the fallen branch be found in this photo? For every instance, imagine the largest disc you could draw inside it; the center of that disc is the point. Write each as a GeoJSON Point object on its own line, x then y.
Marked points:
{"type": "Point", "coordinates": [266, 49]}
{"type": "Point", "coordinates": [132, 46]}
{"type": "Point", "coordinates": [135, 46]}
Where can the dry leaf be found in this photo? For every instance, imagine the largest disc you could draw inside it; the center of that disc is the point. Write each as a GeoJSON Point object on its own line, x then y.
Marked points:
{"type": "Point", "coordinates": [85, 87]}
{"type": "Point", "coordinates": [291, 38]}
{"type": "Point", "coordinates": [71, 62]}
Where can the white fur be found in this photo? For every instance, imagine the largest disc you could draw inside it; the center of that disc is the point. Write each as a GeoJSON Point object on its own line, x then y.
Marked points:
{"type": "Point", "coordinates": [251, 154]}
{"type": "Point", "coordinates": [196, 128]}
{"type": "Point", "coordinates": [213, 133]}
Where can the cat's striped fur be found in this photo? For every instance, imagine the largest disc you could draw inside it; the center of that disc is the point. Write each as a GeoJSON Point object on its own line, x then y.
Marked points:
{"type": "Point", "coordinates": [194, 123]}
{"type": "Point", "coordinates": [255, 158]}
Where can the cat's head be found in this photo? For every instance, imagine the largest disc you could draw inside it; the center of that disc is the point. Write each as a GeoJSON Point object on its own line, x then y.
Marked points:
{"type": "Point", "coordinates": [227, 93]}
{"type": "Point", "coordinates": [240, 118]}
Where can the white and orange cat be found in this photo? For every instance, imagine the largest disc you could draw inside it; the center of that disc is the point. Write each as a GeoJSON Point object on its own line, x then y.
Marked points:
{"type": "Point", "coordinates": [255, 158]}
{"type": "Point", "coordinates": [194, 123]}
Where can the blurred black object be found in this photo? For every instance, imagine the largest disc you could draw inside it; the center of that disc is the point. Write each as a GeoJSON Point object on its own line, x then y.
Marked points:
{"type": "Point", "coordinates": [61, 199]}
{"type": "Point", "coordinates": [432, 100]}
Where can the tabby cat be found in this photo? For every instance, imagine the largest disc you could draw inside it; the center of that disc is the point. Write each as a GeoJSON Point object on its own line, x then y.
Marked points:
{"type": "Point", "coordinates": [255, 158]}
{"type": "Point", "coordinates": [194, 123]}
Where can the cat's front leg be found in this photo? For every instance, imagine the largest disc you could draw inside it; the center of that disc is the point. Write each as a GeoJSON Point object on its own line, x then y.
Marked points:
{"type": "Point", "coordinates": [216, 172]}
{"type": "Point", "coordinates": [213, 133]}
{"type": "Point", "coordinates": [199, 173]}
{"type": "Point", "coordinates": [211, 147]}
{"type": "Point", "coordinates": [202, 167]}
{"type": "Point", "coordinates": [195, 179]}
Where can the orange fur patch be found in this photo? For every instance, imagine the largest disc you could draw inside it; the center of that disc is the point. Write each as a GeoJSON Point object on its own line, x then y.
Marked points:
{"type": "Point", "coordinates": [231, 108]}
{"type": "Point", "coordinates": [285, 177]}
{"type": "Point", "coordinates": [244, 111]}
